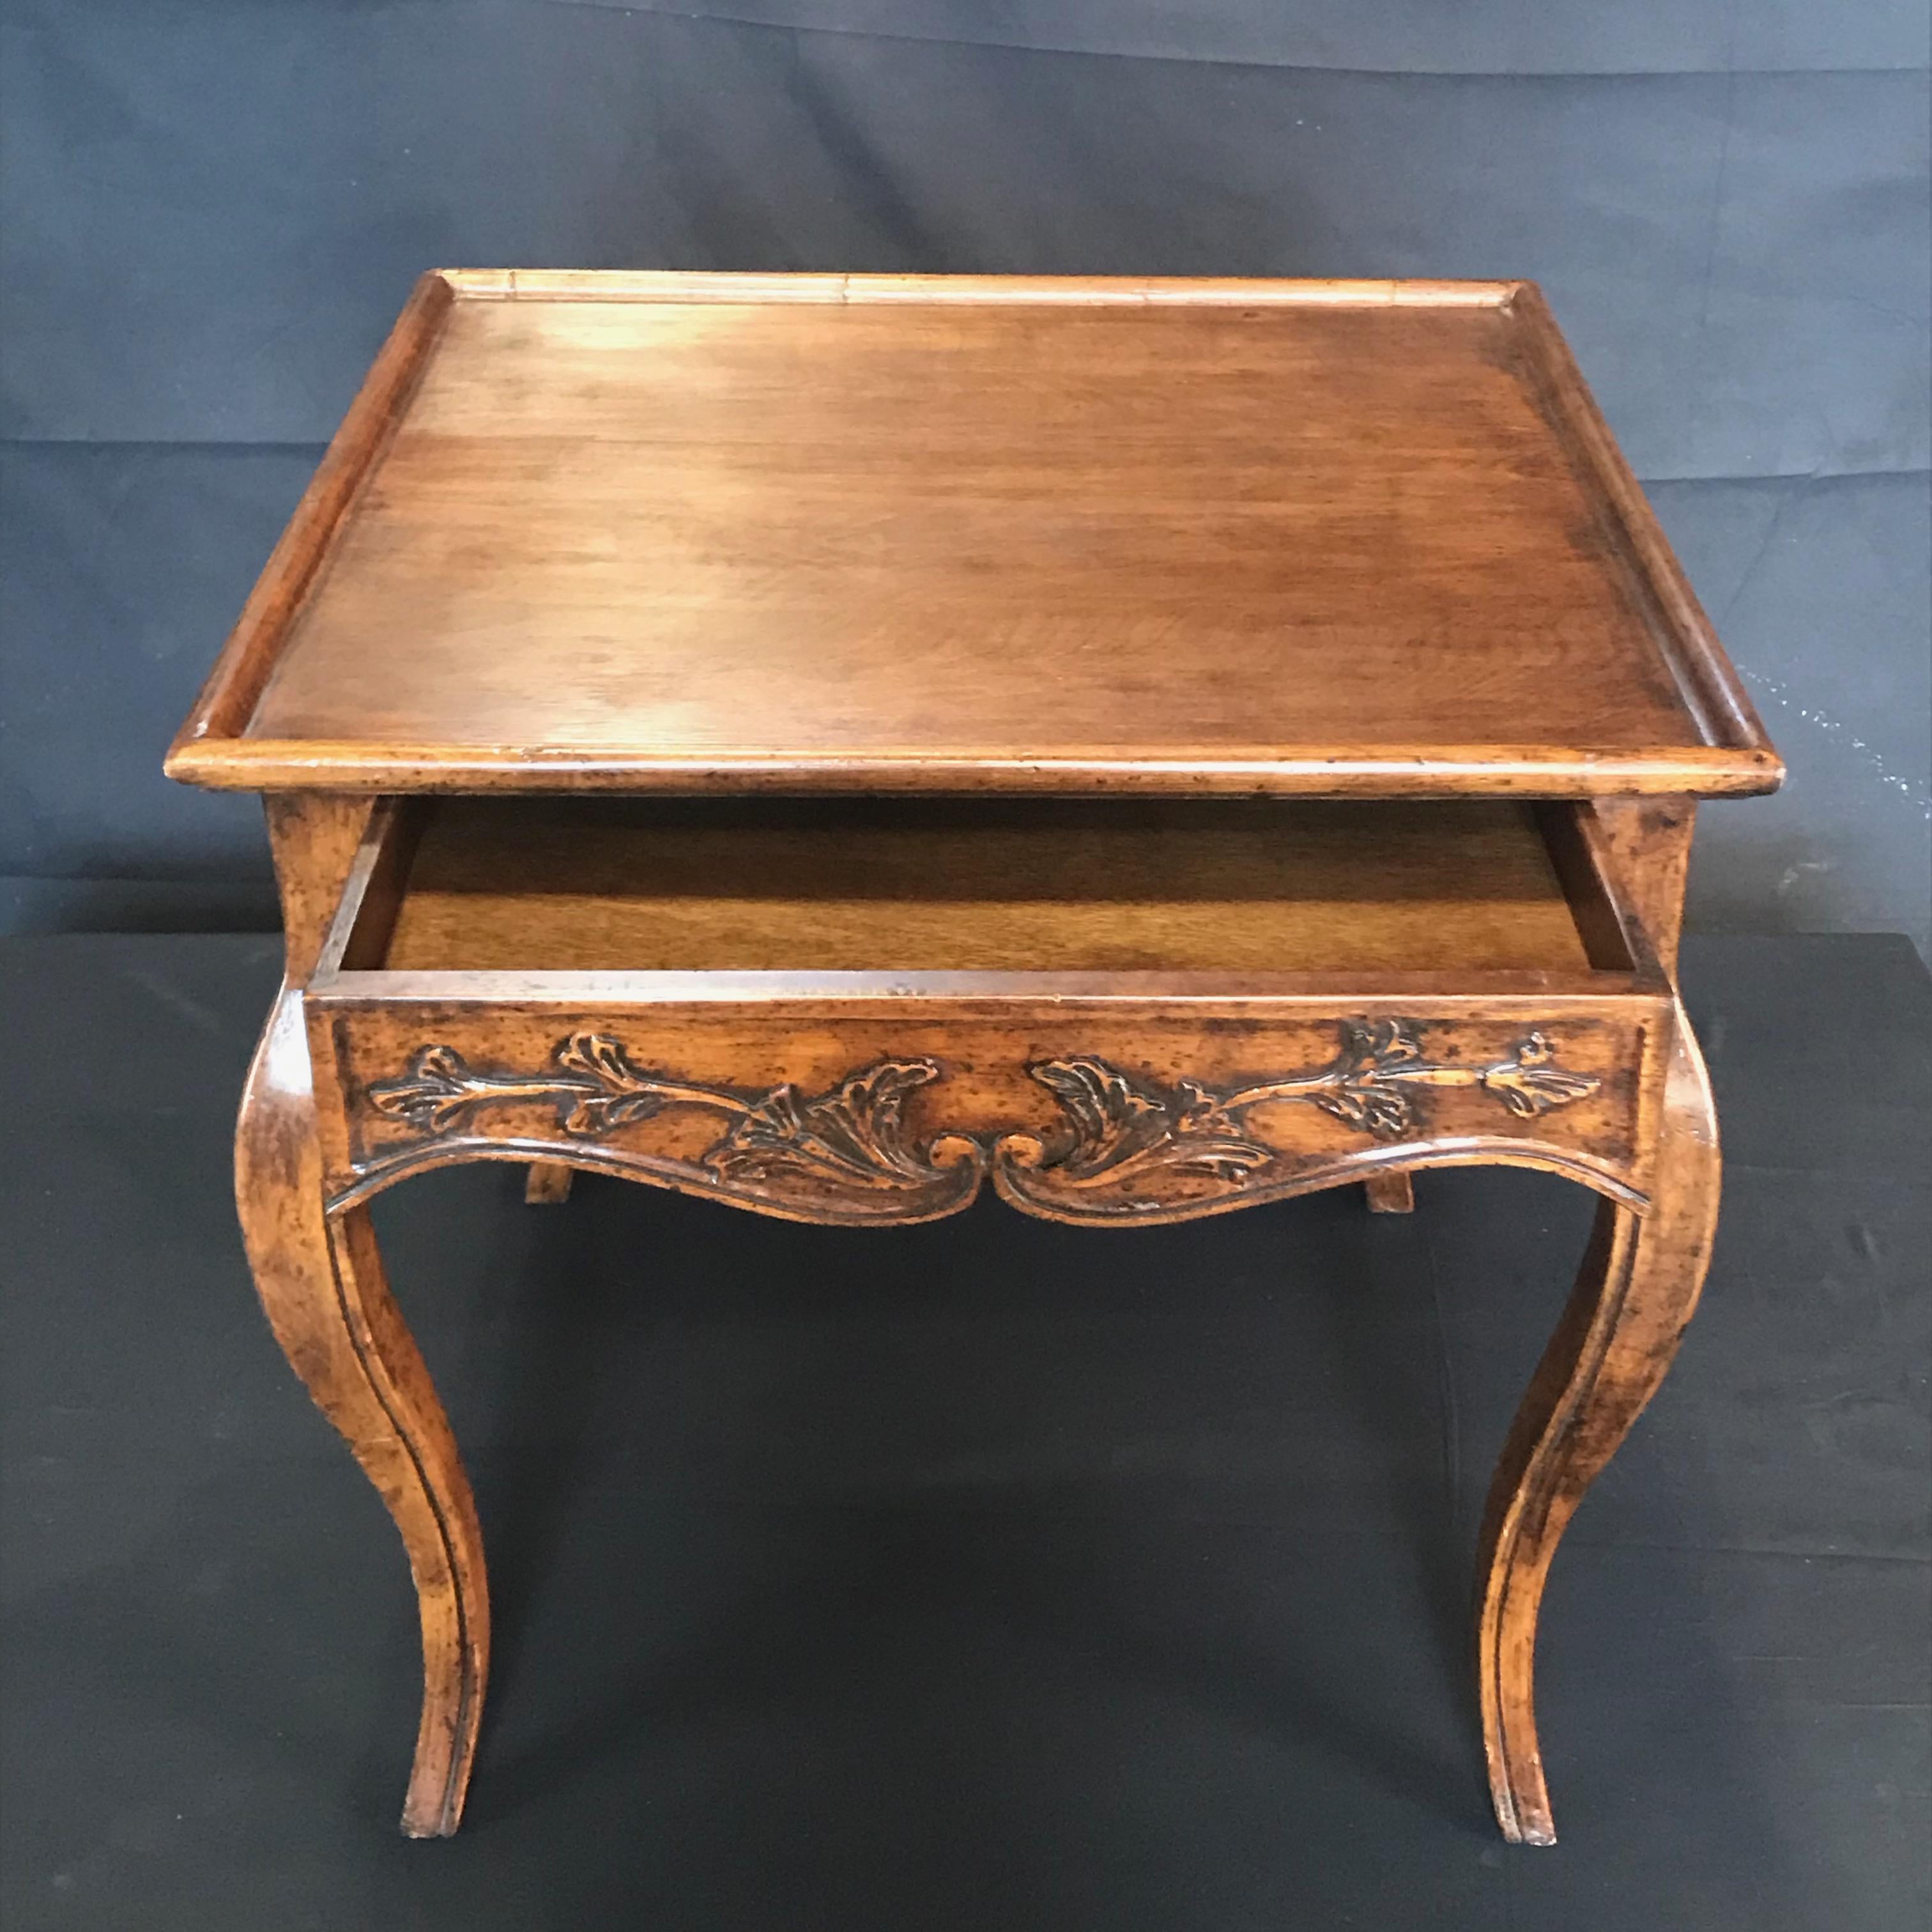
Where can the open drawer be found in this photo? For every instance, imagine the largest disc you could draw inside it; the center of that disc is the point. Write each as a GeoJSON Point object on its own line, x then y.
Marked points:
{"type": "Point", "coordinates": [859, 1010]}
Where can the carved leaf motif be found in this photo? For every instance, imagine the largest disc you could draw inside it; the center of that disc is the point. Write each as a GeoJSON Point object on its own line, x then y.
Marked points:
{"type": "Point", "coordinates": [1379, 1044]}
{"type": "Point", "coordinates": [1119, 1128]}
{"type": "Point", "coordinates": [435, 1095]}
{"type": "Point", "coordinates": [1529, 1085]}
{"type": "Point", "coordinates": [852, 1135]}
{"type": "Point", "coordinates": [855, 1133]}
{"type": "Point", "coordinates": [1362, 1093]}
{"type": "Point", "coordinates": [1387, 1112]}
{"type": "Point", "coordinates": [1223, 1156]}
{"type": "Point", "coordinates": [1111, 1118]}
{"type": "Point", "coordinates": [624, 1094]}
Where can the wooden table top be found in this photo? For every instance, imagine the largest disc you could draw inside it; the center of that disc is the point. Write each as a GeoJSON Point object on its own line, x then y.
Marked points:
{"type": "Point", "coordinates": [715, 533]}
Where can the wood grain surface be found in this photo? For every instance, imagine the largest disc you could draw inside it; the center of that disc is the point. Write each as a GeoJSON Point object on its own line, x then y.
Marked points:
{"type": "Point", "coordinates": [1015, 535]}
{"type": "Point", "coordinates": [322, 1287]}
{"type": "Point", "coordinates": [1050, 885]}
{"type": "Point", "coordinates": [1370, 543]}
{"type": "Point", "coordinates": [1636, 1293]}
{"type": "Point", "coordinates": [1313, 1091]}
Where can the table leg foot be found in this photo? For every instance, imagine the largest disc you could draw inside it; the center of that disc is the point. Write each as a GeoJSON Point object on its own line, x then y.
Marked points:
{"type": "Point", "coordinates": [1639, 1285]}
{"type": "Point", "coordinates": [322, 1284]}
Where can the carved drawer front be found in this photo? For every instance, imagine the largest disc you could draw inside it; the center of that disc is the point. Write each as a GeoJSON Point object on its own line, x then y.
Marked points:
{"type": "Point", "coordinates": [862, 1011]}
{"type": "Point", "coordinates": [903, 1113]}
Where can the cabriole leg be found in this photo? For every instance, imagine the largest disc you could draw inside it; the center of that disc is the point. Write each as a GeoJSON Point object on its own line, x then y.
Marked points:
{"type": "Point", "coordinates": [1639, 1285]}
{"type": "Point", "coordinates": [321, 1282]}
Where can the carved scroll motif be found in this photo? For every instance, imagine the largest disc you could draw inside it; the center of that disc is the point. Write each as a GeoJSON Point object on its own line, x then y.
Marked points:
{"type": "Point", "coordinates": [1123, 1141]}
{"type": "Point", "coordinates": [1122, 1134]}
{"type": "Point", "coordinates": [849, 1140]}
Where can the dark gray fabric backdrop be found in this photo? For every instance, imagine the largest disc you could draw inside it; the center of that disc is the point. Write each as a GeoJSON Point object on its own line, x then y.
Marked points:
{"type": "Point", "coordinates": [212, 209]}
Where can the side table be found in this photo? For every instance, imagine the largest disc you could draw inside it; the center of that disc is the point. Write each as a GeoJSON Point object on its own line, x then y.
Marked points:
{"type": "Point", "coordinates": [831, 744]}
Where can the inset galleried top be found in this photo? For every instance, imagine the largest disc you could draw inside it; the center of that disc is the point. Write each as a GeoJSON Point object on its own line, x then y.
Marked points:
{"type": "Point", "coordinates": [722, 533]}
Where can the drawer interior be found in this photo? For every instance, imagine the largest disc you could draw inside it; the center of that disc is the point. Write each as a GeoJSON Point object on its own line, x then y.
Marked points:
{"type": "Point", "coordinates": [1193, 886]}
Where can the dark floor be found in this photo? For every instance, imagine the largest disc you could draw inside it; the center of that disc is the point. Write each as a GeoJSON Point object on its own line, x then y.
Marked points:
{"type": "Point", "coordinates": [986, 1575]}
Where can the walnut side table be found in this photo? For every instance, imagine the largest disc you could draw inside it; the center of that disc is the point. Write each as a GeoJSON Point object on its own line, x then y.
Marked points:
{"type": "Point", "coordinates": [829, 744]}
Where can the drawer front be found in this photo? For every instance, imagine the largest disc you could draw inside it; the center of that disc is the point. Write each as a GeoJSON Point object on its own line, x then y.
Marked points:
{"type": "Point", "coordinates": [883, 1111]}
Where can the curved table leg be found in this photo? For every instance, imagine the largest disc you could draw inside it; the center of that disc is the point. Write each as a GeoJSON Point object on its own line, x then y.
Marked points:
{"type": "Point", "coordinates": [1639, 1285]}
{"type": "Point", "coordinates": [322, 1284]}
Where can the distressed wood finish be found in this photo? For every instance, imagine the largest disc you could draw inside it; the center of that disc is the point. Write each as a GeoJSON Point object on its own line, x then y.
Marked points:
{"type": "Point", "coordinates": [321, 1286]}
{"type": "Point", "coordinates": [897, 1112]}
{"type": "Point", "coordinates": [1363, 552]}
{"type": "Point", "coordinates": [1646, 842]}
{"type": "Point", "coordinates": [315, 839]}
{"type": "Point", "coordinates": [1635, 1295]}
